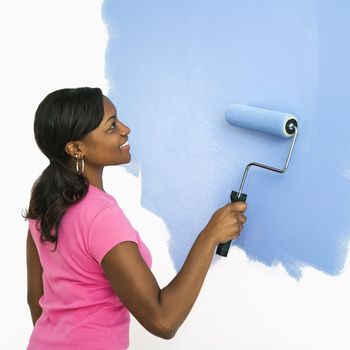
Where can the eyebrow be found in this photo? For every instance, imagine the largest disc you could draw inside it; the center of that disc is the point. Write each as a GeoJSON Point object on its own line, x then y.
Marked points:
{"type": "Point", "coordinates": [113, 116]}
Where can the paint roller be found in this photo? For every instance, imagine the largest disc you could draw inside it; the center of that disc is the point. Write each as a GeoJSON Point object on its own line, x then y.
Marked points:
{"type": "Point", "coordinates": [265, 120]}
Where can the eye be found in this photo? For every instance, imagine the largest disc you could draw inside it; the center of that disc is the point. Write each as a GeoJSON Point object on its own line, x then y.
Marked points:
{"type": "Point", "coordinates": [113, 124]}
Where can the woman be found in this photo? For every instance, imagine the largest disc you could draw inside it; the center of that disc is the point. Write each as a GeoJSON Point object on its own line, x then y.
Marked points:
{"type": "Point", "coordinates": [87, 267]}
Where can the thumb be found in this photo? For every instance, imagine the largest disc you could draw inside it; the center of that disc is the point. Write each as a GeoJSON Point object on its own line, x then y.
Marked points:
{"type": "Point", "coordinates": [239, 206]}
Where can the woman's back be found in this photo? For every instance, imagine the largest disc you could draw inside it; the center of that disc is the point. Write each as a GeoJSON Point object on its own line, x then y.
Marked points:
{"type": "Point", "coordinates": [80, 308]}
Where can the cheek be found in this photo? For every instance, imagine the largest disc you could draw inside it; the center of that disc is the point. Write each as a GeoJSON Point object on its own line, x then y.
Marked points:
{"type": "Point", "coordinates": [105, 146]}
{"type": "Point", "coordinates": [112, 143]}
{"type": "Point", "coordinates": [100, 148]}
{"type": "Point", "coordinates": [114, 140]}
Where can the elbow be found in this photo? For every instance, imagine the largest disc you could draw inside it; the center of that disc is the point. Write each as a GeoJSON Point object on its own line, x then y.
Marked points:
{"type": "Point", "coordinates": [165, 331]}
{"type": "Point", "coordinates": [167, 334]}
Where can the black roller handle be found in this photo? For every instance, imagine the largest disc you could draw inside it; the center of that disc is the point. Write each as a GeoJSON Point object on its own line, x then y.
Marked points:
{"type": "Point", "coordinates": [223, 248]}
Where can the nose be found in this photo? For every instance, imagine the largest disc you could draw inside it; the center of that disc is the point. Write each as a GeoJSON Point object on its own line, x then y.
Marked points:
{"type": "Point", "coordinates": [125, 129]}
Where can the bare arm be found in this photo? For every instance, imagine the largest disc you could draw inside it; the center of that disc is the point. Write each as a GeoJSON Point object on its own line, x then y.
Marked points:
{"type": "Point", "coordinates": [179, 296]}
{"type": "Point", "coordinates": [34, 279]}
{"type": "Point", "coordinates": [160, 311]}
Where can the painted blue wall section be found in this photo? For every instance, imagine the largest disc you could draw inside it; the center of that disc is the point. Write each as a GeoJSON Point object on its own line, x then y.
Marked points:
{"type": "Point", "coordinates": [174, 68]}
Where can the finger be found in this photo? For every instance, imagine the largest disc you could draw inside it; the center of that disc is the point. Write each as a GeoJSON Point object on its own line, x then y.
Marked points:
{"type": "Point", "coordinates": [242, 218]}
{"type": "Point", "coordinates": [239, 206]}
{"type": "Point", "coordinates": [238, 234]}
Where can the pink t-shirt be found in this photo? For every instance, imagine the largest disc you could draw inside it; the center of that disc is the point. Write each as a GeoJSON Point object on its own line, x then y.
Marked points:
{"type": "Point", "coordinates": [80, 308]}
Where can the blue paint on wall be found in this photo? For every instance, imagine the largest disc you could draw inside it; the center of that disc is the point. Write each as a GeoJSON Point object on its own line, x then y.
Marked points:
{"type": "Point", "coordinates": [174, 67]}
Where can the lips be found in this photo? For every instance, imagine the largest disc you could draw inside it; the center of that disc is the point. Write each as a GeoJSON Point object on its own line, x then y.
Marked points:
{"type": "Point", "coordinates": [124, 145]}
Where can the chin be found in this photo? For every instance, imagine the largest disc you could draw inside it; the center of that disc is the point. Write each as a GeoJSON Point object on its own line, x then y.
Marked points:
{"type": "Point", "coordinates": [126, 161]}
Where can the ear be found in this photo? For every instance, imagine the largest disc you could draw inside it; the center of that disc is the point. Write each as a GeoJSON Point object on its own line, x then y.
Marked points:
{"type": "Point", "coordinates": [74, 148]}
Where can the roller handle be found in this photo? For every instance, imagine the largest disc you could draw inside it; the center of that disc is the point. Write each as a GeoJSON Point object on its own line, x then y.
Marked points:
{"type": "Point", "coordinates": [223, 248]}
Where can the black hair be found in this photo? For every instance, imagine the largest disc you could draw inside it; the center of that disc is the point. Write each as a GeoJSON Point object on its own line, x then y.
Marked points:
{"type": "Point", "coordinates": [63, 115]}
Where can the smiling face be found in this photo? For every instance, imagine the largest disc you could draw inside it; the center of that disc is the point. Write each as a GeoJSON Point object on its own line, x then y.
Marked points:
{"type": "Point", "coordinates": [101, 146]}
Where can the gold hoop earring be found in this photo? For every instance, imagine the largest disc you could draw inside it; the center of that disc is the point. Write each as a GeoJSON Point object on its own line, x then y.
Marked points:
{"type": "Point", "coordinates": [77, 164]}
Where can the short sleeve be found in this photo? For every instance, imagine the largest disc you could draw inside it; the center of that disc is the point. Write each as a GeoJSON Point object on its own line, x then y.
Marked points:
{"type": "Point", "coordinates": [109, 228]}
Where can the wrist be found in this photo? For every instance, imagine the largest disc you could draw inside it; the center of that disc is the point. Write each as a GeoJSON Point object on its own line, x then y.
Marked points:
{"type": "Point", "coordinates": [208, 237]}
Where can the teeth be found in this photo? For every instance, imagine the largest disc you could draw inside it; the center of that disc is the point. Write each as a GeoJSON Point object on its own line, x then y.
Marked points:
{"type": "Point", "coordinates": [124, 144]}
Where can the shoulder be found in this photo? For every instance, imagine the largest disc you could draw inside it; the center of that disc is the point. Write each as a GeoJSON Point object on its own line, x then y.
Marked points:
{"type": "Point", "coordinates": [83, 216]}
{"type": "Point", "coordinates": [92, 205]}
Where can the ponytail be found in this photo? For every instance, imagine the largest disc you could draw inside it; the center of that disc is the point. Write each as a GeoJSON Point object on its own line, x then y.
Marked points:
{"type": "Point", "coordinates": [64, 115]}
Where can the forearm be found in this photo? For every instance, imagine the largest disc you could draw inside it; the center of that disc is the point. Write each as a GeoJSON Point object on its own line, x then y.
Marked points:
{"type": "Point", "coordinates": [179, 296]}
{"type": "Point", "coordinates": [35, 311]}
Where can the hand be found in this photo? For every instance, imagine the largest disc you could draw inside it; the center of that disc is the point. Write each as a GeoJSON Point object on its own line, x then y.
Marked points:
{"type": "Point", "coordinates": [226, 223]}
